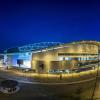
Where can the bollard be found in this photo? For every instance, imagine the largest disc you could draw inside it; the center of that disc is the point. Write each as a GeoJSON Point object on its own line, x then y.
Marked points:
{"type": "Point", "coordinates": [60, 76]}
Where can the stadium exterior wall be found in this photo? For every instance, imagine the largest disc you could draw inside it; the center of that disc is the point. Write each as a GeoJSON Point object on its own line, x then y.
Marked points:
{"type": "Point", "coordinates": [62, 57]}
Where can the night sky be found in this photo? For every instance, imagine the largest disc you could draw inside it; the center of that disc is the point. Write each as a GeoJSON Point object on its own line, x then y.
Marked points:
{"type": "Point", "coordinates": [29, 21]}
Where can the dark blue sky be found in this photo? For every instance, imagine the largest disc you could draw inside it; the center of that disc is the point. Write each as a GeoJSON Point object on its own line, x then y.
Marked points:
{"type": "Point", "coordinates": [29, 21]}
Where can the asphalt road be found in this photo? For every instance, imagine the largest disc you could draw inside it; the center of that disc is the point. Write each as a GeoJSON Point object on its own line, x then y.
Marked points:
{"type": "Point", "coordinates": [53, 92]}
{"type": "Point", "coordinates": [80, 91]}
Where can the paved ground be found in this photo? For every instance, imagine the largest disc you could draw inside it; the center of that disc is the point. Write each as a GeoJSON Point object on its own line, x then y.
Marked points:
{"type": "Point", "coordinates": [97, 93]}
{"type": "Point", "coordinates": [51, 92]}
{"type": "Point", "coordinates": [43, 92]}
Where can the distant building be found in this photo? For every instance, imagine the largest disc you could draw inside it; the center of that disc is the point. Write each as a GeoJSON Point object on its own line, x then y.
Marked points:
{"type": "Point", "coordinates": [47, 56]}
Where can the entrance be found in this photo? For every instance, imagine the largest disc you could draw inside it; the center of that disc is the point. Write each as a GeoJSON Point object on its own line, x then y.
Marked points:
{"type": "Point", "coordinates": [40, 67]}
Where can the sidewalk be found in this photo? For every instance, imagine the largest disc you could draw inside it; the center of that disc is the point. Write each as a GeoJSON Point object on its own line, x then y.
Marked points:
{"type": "Point", "coordinates": [9, 74]}
{"type": "Point", "coordinates": [47, 78]}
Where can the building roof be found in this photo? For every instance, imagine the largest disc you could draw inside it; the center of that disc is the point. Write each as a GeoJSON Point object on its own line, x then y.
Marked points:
{"type": "Point", "coordinates": [37, 47]}
{"type": "Point", "coordinates": [32, 47]}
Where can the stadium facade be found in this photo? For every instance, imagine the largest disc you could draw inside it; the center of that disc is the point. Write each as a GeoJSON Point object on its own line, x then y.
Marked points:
{"type": "Point", "coordinates": [46, 57]}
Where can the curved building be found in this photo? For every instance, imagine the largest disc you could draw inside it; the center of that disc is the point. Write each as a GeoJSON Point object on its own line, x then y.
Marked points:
{"type": "Point", "coordinates": [21, 56]}
{"type": "Point", "coordinates": [49, 56]}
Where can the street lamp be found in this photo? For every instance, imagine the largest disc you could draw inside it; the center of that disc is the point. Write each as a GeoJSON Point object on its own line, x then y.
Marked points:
{"type": "Point", "coordinates": [97, 73]}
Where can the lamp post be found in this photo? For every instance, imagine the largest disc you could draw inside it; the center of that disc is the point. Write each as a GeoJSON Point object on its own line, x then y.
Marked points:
{"type": "Point", "coordinates": [62, 67]}
{"type": "Point", "coordinates": [97, 73]}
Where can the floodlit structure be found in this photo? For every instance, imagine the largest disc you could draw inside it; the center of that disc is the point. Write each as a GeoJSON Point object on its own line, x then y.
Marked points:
{"type": "Point", "coordinates": [22, 56]}
{"type": "Point", "coordinates": [46, 57]}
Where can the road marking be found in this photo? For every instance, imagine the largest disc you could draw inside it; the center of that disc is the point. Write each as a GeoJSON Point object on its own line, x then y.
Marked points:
{"type": "Point", "coordinates": [69, 83]}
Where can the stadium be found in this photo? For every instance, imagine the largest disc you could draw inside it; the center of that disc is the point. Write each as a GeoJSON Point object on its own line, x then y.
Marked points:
{"type": "Point", "coordinates": [53, 57]}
